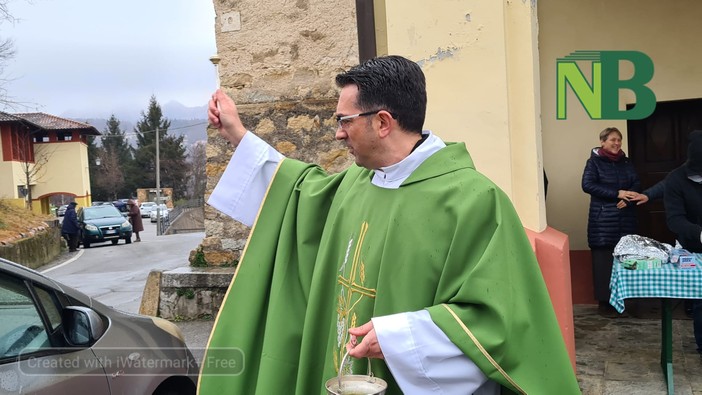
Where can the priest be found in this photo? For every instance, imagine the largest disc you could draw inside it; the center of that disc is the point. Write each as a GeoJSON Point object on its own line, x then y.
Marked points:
{"type": "Point", "coordinates": [410, 257]}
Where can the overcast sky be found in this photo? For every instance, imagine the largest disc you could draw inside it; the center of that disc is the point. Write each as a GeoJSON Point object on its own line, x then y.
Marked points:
{"type": "Point", "coordinates": [96, 57]}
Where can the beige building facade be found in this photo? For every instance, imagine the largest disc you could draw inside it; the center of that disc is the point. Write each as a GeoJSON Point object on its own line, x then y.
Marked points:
{"type": "Point", "coordinates": [47, 152]}
{"type": "Point", "coordinates": [481, 63]}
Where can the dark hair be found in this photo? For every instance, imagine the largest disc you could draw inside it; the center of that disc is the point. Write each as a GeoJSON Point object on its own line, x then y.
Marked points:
{"type": "Point", "coordinates": [391, 83]}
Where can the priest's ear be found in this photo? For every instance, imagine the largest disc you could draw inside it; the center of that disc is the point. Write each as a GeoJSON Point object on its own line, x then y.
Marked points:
{"type": "Point", "coordinates": [387, 123]}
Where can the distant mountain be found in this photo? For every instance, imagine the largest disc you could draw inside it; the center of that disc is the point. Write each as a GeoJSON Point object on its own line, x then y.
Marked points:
{"type": "Point", "coordinates": [171, 110]}
{"type": "Point", "coordinates": [175, 110]}
{"type": "Point", "coordinates": [188, 121]}
{"type": "Point", "coordinates": [193, 129]}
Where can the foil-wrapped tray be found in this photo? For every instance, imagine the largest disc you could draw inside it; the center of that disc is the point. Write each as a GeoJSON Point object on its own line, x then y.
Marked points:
{"type": "Point", "coordinates": [636, 247]}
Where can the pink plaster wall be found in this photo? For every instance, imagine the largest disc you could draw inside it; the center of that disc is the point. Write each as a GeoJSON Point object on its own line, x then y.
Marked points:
{"type": "Point", "coordinates": [552, 251]}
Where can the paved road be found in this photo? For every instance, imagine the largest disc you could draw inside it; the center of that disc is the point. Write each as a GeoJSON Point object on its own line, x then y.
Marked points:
{"type": "Point", "coordinates": [115, 274]}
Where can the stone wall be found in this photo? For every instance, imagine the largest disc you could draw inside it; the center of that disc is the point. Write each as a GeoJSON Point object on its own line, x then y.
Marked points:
{"type": "Point", "coordinates": [190, 293]}
{"type": "Point", "coordinates": [37, 249]}
{"type": "Point", "coordinates": [278, 62]}
{"type": "Point", "coordinates": [149, 195]}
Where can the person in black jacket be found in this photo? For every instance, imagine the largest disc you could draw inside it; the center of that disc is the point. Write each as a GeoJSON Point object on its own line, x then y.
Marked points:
{"type": "Point", "coordinates": [70, 227]}
{"type": "Point", "coordinates": [612, 183]}
{"type": "Point", "coordinates": [653, 193]}
{"type": "Point", "coordinates": [683, 210]}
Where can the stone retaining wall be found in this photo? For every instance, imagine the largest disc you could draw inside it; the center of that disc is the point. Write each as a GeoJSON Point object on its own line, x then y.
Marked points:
{"type": "Point", "coordinates": [192, 293]}
{"type": "Point", "coordinates": [36, 250]}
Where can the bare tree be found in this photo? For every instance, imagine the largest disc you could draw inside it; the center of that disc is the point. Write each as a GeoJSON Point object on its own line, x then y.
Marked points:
{"type": "Point", "coordinates": [33, 161]}
{"type": "Point", "coordinates": [110, 174]}
{"type": "Point", "coordinates": [7, 52]}
{"type": "Point", "coordinates": [197, 177]}
{"type": "Point", "coordinates": [4, 12]}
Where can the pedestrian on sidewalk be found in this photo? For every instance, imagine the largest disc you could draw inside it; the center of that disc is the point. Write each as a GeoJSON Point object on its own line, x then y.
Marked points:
{"type": "Point", "coordinates": [135, 219]}
{"type": "Point", "coordinates": [70, 228]}
{"type": "Point", "coordinates": [683, 210]}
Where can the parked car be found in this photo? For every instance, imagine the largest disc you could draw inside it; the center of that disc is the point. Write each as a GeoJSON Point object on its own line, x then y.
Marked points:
{"type": "Point", "coordinates": [145, 208]}
{"type": "Point", "coordinates": [122, 207]}
{"type": "Point", "coordinates": [103, 223]}
{"type": "Point", "coordinates": [56, 340]}
{"type": "Point", "coordinates": [164, 212]}
{"type": "Point", "coordinates": [61, 210]}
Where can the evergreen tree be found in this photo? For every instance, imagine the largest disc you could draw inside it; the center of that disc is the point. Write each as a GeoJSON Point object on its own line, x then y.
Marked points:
{"type": "Point", "coordinates": [172, 152]}
{"type": "Point", "coordinates": [114, 140]}
{"type": "Point", "coordinates": [96, 190]}
{"type": "Point", "coordinates": [174, 165]}
{"type": "Point", "coordinates": [118, 156]}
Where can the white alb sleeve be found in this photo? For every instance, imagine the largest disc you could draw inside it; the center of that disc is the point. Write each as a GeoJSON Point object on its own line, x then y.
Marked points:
{"type": "Point", "coordinates": [423, 360]}
{"type": "Point", "coordinates": [240, 191]}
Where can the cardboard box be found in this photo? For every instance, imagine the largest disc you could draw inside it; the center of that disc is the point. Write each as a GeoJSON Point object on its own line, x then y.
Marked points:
{"type": "Point", "coordinates": [683, 259]}
{"type": "Point", "coordinates": [686, 262]}
{"type": "Point", "coordinates": [642, 264]}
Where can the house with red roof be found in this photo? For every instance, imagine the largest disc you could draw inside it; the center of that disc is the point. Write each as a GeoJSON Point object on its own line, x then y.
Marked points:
{"type": "Point", "coordinates": [43, 155]}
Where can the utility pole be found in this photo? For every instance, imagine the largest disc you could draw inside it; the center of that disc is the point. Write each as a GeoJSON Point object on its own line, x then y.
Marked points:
{"type": "Point", "coordinates": [158, 184]}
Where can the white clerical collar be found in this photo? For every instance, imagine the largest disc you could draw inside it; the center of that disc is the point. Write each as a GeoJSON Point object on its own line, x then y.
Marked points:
{"type": "Point", "coordinates": [391, 177]}
{"type": "Point", "coordinates": [695, 178]}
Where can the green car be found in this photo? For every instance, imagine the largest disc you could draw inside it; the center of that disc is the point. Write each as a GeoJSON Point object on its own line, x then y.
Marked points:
{"type": "Point", "coordinates": [102, 223]}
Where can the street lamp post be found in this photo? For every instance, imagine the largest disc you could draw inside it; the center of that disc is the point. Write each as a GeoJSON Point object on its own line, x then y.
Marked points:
{"type": "Point", "coordinates": [158, 185]}
{"type": "Point", "coordinates": [98, 161]}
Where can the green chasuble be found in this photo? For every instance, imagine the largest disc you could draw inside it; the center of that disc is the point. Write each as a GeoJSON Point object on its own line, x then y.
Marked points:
{"type": "Point", "coordinates": [328, 252]}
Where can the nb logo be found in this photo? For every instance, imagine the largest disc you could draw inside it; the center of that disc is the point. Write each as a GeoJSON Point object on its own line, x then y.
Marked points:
{"type": "Point", "coordinates": [600, 98]}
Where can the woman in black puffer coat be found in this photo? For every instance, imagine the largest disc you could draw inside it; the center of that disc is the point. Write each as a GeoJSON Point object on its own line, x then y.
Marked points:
{"type": "Point", "coordinates": [612, 183]}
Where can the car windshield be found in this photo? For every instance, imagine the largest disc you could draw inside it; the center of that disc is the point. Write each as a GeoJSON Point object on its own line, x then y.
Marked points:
{"type": "Point", "coordinates": [100, 212]}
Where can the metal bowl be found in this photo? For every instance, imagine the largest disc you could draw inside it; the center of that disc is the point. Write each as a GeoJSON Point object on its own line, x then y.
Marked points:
{"type": "Point", "coordinates": [355, 384]}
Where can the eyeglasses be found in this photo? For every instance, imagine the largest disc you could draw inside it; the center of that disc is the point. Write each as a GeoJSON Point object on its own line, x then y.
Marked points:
{"type": "Point", "coordinates": [346, 120]}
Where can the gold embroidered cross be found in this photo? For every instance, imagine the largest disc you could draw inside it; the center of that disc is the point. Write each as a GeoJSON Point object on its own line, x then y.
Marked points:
{"type": "Point", "coordinates": [352, 292]}
{"type": "Point", "coordinates": [358, 269]}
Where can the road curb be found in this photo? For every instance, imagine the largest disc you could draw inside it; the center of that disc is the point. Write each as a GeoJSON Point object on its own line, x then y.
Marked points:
{"type": "Point", "coordinates": [151, 295]}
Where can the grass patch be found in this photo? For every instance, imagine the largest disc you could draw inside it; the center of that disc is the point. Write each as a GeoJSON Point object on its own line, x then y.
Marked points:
{"type": "Point", "coordinates": [189, 293]}
{"type": "Point", "coordinates": [199, 259]}
{"type": "Point", "coordinates": [15, 221]}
